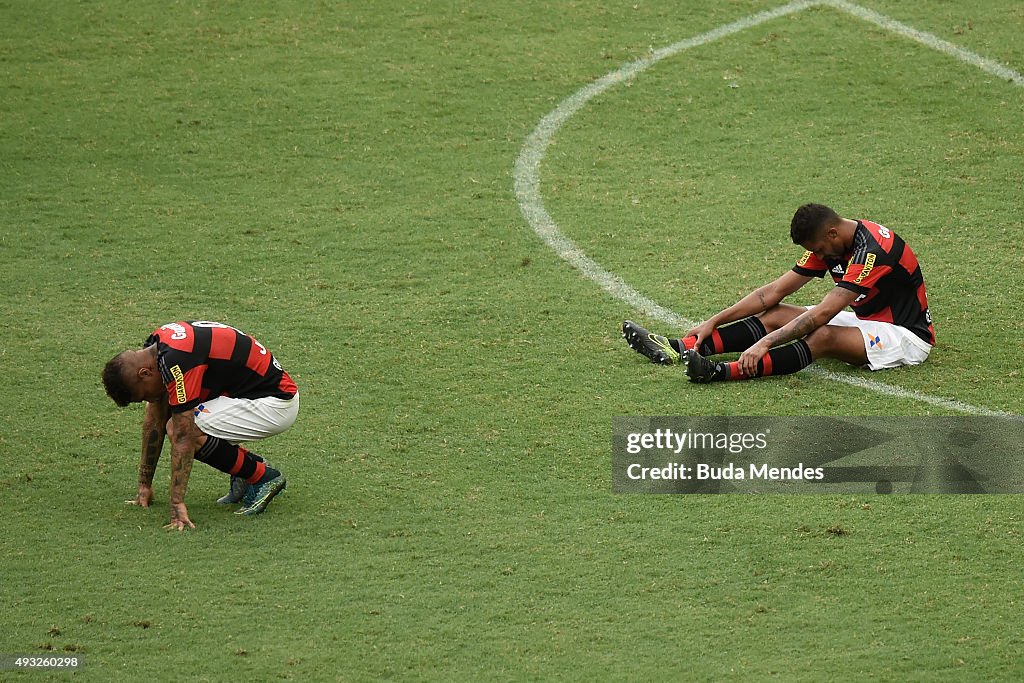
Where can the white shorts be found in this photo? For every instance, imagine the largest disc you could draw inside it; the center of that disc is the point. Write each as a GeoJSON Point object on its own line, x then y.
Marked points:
{"type": "Point", "coordinates": [887, 345]}
{"type": "Point", "coordinates": [246, 419]}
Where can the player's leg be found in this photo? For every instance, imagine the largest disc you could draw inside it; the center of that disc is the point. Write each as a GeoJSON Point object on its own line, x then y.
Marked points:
{"type": "Point", "coordinates": [230, 421]}
{"type": "Point", "coordinates": [241, 419]}
{"type": "Point", "coordinates": [781, 360]}
{"type": "Point", "coordinates": [736, 336]}
{"type": "Point", "coordinates": [885, 345]}
{"type": "Point", "coordinates": [742, 334]}
{"type": "Point", "coordinates": [829, 341]}
{"type": "Point", "coordinates": [254, 482]}
{"type": "Point", "coordinates": [239, 462]}
{"type": "Point", "coordinates": [842, 343]}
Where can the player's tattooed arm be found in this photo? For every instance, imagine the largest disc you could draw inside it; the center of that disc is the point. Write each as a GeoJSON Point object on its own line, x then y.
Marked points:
{"type": "Point", "coordinates": [154, 426]}
{"type": "Point", "coordinates": [799, 327]}
{"type": "Point", "coordinates": [181, 470]}
{"type": "Point", "coordinates": [184, 443]}
{"type": "Point", "coordinates": [804, 325]}
{"type": "Point", "coordinates": [183, 435]}
{"type": "Point", "coordinates": [758, 301]}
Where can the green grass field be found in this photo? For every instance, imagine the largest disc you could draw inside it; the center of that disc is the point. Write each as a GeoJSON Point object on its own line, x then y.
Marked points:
{"type": "Point", "coordinates": [337, 179]}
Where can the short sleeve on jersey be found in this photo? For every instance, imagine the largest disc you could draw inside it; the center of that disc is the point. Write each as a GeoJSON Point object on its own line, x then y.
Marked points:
{"type": "Point", "coordinates": [184, 388]}
{"type": "Point", "coordinates": [810, 265]}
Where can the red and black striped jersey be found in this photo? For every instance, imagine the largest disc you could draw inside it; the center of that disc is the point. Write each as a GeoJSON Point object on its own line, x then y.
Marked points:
{"type": "Point", "coordinates": [883, 270]}
{"type": "Point", "coordinates": [200, 360]}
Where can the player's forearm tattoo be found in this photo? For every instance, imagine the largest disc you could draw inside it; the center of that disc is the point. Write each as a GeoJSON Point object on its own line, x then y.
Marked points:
{"type": "Point", "coordinates": [150, 456]}
{"type": "Point", "coordinates": [799, 327]}
{"type": "Point", "coordinates": [803, 326]}
{"type": "Point", "coordinates": [181, 469]}
{"type": "Point", "coordinates": [182, 452]}
{"type": "Point", "coordinates": [153, 442]}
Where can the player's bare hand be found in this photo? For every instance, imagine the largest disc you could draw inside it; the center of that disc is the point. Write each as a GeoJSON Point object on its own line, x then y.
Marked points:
{"type": "Point", "coordinates": [179, 518]}
{"type": "Point", "coordinates": [702, 332]}
{"type": "Point", "coordinates": [143, 498]}
{"type": "Point", "coordinates": [751, 357]}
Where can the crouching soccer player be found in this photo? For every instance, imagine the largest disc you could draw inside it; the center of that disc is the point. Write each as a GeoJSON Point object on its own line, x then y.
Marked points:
{"type": "Point", "coordinates": [207, 387]}
{"type": "Point", "coordinates": [876, 274]}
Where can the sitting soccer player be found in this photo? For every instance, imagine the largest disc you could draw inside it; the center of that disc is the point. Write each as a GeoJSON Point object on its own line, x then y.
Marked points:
{"type": "Point", "coordinates": [208, 387]}
{"type": "Point", "coordinates": [876, 274]}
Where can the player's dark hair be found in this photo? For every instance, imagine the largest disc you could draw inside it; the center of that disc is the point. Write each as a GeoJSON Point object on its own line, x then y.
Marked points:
{"type": "Point", "coordinates": [113, 381]}
{"type": "Point", "coordinates": [809, 220]}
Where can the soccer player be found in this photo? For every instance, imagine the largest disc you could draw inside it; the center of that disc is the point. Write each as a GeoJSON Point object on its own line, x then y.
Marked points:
{"type": "Point", "coordinates": [876, 274]}
{"type": "Point", "coordinates": [207, 387]}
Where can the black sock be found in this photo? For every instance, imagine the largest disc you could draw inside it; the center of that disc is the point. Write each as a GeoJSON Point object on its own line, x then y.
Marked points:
{"type": "Point", "coordinates": [782, 360]}
{"type": "Point", "coordinates": [235, 460]}
{"type": "Point", "coordinates": [736, 336]}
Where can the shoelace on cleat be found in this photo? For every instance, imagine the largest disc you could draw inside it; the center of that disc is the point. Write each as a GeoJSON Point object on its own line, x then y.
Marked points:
{"type": "Point", "coordinates": [250, 495]}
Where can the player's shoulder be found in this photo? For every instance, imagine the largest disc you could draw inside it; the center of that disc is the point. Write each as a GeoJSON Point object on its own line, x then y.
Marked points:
{"type": "Point", "coordinates": [876, 235]}
{"type": "Point", "coordinates": [179, 336]}
{"type": "Point", "coordinates": [871, 238]}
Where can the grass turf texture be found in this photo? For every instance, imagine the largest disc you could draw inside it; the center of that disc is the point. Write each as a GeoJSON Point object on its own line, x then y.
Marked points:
{"type": "Point", "coordinates": [337, 181]}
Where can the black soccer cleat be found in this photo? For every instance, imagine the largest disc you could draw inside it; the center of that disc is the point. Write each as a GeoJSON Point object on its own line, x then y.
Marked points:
{"type": "Point", "coordinates": [654, 346]}
{"type": "Point", "coordinates": [698, 368]}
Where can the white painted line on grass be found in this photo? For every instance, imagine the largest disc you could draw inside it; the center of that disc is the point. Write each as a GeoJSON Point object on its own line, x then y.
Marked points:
{"type": "Point", "coordinates": [929, 40]}
{"type": "Point", "coordinates": [526, 174]}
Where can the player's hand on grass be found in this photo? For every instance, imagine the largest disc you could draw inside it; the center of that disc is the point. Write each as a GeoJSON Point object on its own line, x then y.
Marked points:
{"type": "Point", "coordinates": [143, 498]}
{"type": "Point", "coordinates": [179, 518]}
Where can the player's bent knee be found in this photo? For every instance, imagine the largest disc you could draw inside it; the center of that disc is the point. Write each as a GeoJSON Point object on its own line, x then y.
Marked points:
{"type": "Point", "coordinates": [821, 338]}
{"type": "Point", "coordinates": [842, 343]}
{"type": "Point", "coordinates": [822, 341]}
{"type": "Point", "coordinates": [197, 436]}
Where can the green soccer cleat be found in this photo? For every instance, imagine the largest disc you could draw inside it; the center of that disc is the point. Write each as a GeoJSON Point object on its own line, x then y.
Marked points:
{"type": "Point", "coordinates": [698, 368]}
{"type": "Point", "coordinates": [238, 488]}
{"type": "Point", "coordinates": [654, 346]}
{"type": "Point", "coordinates": [258, 496]}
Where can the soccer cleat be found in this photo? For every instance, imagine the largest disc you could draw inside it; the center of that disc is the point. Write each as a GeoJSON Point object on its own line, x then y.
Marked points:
{"type": "Point", "coordinates": [236, 493]}
{"type": "Point", "coordinates": [698, 368]}
{"type": "Point", "coordinates": [654, 346]}
{"type": "Point", "coordinates": [258, 496]}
